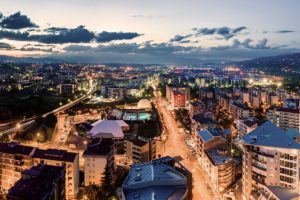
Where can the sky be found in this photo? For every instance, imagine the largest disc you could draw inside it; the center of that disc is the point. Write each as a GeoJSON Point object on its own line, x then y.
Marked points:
{"type": "Point", "coordinates": [156, 31]}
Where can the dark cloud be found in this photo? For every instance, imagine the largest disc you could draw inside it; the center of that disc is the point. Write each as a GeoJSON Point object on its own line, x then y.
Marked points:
{"type": "Point", "coordinates": [285, 31]}
{"type": "Point", "coordinates": [16, 21]}
{"type": "Point", "coordinates": [110, 36]}
{"type": "Point", "coordinates": [239, 29]}
{"type": "Point", "coordinates": [58, 35]}
{"type": "Point", "coordinates": [1, 15]}
{"type": "Point", "coordinates": [48, 50]}
{"type": "Point", "coordinates": [75, 35]}
{"type": "Point", "coordinates": [166, 53]}
{"type": "Point", "coordinates": [4, 45]}
{"type": "Point", "coordinates": [184, 41]}
{"type": "Point", "coordinates": [14, 35]}
{"type": "Point", "coordinates": [178, 38]}
{"type": "Point", "coordinates": [225, 32]}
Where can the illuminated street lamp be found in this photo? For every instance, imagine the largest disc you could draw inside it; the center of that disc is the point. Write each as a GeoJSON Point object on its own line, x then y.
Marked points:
{"type": "Point", "coordinates": [18, 126]}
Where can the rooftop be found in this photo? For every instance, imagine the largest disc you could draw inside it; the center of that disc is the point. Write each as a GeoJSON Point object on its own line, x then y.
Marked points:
{"type": "Point", "coordinates": [200, 118]}
{"type": "Point", "coordinates": [55, 154]}
{"type": "Point", "coordinates": [209, 134]}
{"type": "Point", "coordinates": [15, 148]}
{"type": "Point", "coordinates": [283, 193]}
{"type": "Point", "coordinates": [138, 142]}
{"type": "Point", "coordinates": [218, 156]}
{"type": "Point", "coordinates": [249, 123]}
{"type": "Point", "coordinates": [99, 147]}
{"type": "Point", "coordinates": [268, 134]}
{"type": "Point", "coordinates": [108, 129]}
{"type": "Point", "coordinates": [154, 180]}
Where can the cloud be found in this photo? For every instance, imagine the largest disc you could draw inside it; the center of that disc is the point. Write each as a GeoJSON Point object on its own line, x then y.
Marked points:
{"type": "Point", "coordinates": [48, 50]}
{"type": "Point", "coordinates": [63, 35]}
{"type": "Point", "coordinates": [14, 35]}
{"type": "Point", "coordinates": [246, 44]}
{"type": "Point", "coordinates": [184, 41]}
{"type": "Point", "coordinates": [225, 32]}
{"type": "Point", "coordinates": [4, 45]}
{"type": "Point", "coordinates": [1, 15]}
{"type": "Point", "coordinates": [110, 36]}
{"type": "Point", "coordinates": [168, 53]}
{"type": "Point", "coordinates": [285, 31]}
{"type": "Point", "coordinates": [239, 29]}
{"type": "Point", "coordinates": [16, 21]}
{"type": "Point", "coordinates": [178, 38]}
{"type": "Point", "coordinates": [59, 35]}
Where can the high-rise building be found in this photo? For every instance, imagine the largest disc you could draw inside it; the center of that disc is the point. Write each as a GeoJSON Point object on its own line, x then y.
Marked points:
{"type": "Point", "coordinates": [270, 164]}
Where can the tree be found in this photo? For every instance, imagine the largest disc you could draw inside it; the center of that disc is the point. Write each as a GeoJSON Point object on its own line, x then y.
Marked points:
{"type": "Point", "coordinates": [91, 192]}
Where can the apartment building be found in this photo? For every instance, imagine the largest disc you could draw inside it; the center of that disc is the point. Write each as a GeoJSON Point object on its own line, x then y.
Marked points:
{"type": "Point", "coordinates": [98, 155]}
{"type": "Point", "coordinates": [178, 100]}
{"type": "Point", "coordinates": [285, 118]}
{"type": "Point", "coordinates": [206, 139]}
{"type": "Point", "coordinates": [180, 88]}
{"type": "Point", "coordinates": [224, 101]}
{"type": "Point", "coordinates": [140, 150]}
{"type": "Point", "coordinates": [14, 159]}
{"type": "Point", "coordinates": [220, 167]}
{"type": "Point", "coordinates": [116, 93]}
{"type": "Point", "coordinates": [39, 182]}
{"type": "Point", "coordinates": [63, 158]}
{"type": "Point", "coordinates": [239, 111]}
{"type": "Point", "coordinates": [270, 164]}
{"type": "Point", "coordinates": [245, 126]}
{"type": "Point", "coordinates": [66, 89]}
{"type": "Point", "coordinates": [202, 122]}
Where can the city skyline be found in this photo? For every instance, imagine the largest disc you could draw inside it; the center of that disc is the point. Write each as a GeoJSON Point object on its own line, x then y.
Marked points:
{"type": "Point", "coordinates": [165, 32]}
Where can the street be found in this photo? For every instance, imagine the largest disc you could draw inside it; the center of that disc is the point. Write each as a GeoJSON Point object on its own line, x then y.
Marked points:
{"type": "Point", "coordinates": [175, 147]}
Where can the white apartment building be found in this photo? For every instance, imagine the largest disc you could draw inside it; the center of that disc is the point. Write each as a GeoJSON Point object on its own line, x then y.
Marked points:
{"type": "Point", "coordinates": [270, 164]}
{"type": "Point", "coordinates": [98, 155]}
{"type": "Point", "coordinates": [285, 118]}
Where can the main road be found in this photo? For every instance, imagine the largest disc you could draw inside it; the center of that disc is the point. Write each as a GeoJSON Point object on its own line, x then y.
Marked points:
{"type": "Point", "coordinates": [175, 147]}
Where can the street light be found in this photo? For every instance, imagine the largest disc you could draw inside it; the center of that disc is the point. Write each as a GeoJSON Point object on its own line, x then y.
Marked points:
{"type": "Point", "coordinates": [18, 125]}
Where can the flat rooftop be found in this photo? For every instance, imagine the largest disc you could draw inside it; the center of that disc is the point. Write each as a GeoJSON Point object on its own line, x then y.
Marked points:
{"type": "Point", "coordinates": [55, 154]}
{"type": "Point", "coordinates": [99, 147]}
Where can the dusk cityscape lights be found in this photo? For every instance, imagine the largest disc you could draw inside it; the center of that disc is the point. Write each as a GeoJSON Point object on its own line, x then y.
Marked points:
{"type": "Point", "coordinates": [149, 100]}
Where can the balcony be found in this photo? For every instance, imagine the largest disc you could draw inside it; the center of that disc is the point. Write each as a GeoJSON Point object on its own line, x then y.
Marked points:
{"type": "Point", "coordinates": [259, 167]}
{"type": "Point", "coordinates": [263, 153]}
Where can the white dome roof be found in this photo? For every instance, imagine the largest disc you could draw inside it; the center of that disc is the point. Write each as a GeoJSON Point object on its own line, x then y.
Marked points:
{"type": "Point", "coordinates": [144, 104]}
